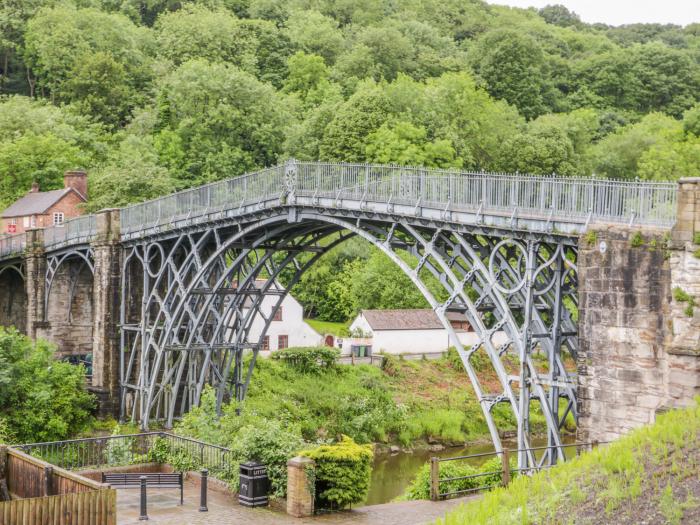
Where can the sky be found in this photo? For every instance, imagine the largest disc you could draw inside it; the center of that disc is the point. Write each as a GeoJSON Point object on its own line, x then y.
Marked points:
{"type": "Point", "coordinates": [617, 12]}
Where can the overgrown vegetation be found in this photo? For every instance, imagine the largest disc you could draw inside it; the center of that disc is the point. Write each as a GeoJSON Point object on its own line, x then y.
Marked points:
{"type": "Point", "coordinates": [41, 398]}
{"type": "Point", "coordinates": [403, 402]}
{"type": "Point", "coordinates": [649, 475]}
{"type": "Point", "coordinates": [486, 475]}
{"type": "Point", "coordinates": [342, 472]}
{"type": "Point", "coordinates": [682, 296]}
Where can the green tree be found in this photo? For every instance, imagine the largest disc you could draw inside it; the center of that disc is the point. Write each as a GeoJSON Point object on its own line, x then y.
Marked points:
{"type": "Point", "coordinates": [35, 158]}
{"type": "Point", "coordinates": [543, 150]}
{"type": "Point", "coordinates": [59, 39]}
{"type": "Point", "coordinates": [364, 112]}
{"type": "Point", "coordinates": [618, 154]}
{"type": "Point", "coordinates": [41, 398]}
{"type": "Point", "coordinates": [315, 33]}
{"type": "Point", "coordinates": [406, 144]}
{"type": "Point", "coordinates": [217, 122]}
{"type": "Point", "coordinates": [691, 120]}
{"type": "Point", "coordinates": [513, 66]}
{"type": "Point", "coordinates": [668, 160]}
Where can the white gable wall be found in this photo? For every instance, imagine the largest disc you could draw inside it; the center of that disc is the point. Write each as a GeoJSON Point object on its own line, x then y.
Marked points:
{"type": "Point", "coordinates": [292, 325]}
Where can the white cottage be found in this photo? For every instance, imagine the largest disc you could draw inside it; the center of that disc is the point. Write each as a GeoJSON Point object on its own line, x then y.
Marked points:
{"type": "Point", "coordinates": [408, 332]}
{"type": "Point", "coordinates": [287, 328]}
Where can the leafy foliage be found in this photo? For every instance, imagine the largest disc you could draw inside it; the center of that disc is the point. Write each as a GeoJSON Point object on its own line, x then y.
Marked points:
{"type": "Point", "coordinates": [309, 360]}
{"type": "Point", "coordinates": [41, 398]}
{"type": "Point", "coordinates": [486, 475]}
{"type": "Point", "coordinates": [342, 471]}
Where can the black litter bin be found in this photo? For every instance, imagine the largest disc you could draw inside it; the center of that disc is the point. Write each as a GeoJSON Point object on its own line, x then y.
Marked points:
{"type": "Point", "coordinates": [254, 485]}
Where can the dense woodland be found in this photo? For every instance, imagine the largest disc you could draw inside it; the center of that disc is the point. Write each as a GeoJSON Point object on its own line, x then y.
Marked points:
{"type": "Point", "coordinates": [151, 96]}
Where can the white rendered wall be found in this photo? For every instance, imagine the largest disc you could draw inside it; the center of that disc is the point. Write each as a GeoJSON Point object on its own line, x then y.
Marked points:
{"type": "Point", "coordinates": [292, 325]}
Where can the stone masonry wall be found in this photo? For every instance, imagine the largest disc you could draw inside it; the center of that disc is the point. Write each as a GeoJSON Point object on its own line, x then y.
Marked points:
{"type": "Point", "coordinates": [13, 300]}
{"type": "Point", "coordinates": [639, 351]}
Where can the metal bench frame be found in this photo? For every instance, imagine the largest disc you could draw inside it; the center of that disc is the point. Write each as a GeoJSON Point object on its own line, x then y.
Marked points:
{"type": "Point", "coordinates": [132, 480]}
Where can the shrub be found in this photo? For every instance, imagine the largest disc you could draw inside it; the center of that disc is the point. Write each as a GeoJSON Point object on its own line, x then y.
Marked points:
{"type": "Point", "coordinates": [309, 360]}
{"type": "Point", "coordinates": [343, 472]}
{"type": "Point", "coordinates": [5, 434]}
{"type": "Point", "coordinates": [41, 398]}
{"type": "Point", "coordinates": [491, 470]}
{"type": "Point", "coordinates": [272, 443]}
{"type": "Point", "coordinates": [119, 450]}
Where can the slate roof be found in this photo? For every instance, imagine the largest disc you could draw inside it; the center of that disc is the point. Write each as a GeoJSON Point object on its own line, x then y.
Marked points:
{"type": "Point", "coordinates": [419, 319]}
{"type": "Point", "coordinates": [36, 203]}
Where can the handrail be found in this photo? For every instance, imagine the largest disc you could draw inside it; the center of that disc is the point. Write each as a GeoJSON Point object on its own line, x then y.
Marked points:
{"type": "Point", "coordinates": [577, 200]}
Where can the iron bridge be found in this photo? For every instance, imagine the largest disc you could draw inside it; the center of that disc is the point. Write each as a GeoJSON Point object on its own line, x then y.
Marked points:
{"type": "Point", "coordinates": [503, 247]}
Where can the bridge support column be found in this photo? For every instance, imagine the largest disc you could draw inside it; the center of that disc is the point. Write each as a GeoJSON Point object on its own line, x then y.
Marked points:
{"type": "Point", "coordinates": [35, 281]}
{"type": "Point", "coordinates": [639, 331]}
{"type": "Point", "coordinates": [105, 339]}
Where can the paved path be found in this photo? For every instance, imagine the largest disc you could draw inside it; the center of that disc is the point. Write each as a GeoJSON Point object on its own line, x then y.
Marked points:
{"type": "Point", "coordinates": [164, 509]}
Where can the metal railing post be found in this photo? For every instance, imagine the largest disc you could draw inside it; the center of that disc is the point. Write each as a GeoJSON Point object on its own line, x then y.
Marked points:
{"type": "Point", "coordinates": [144, 512]}
{"type": "Point", "coordinates": [506, 467]}
{"type": "Point", "coordinates": [203, 491]}
{"type": "Point", "coordinates": [434, 478]}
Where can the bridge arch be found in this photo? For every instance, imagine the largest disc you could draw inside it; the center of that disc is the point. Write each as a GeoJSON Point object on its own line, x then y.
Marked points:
{"type": "Point", "coordinates": [200, 297]}
{"type": "Point", "coordinates": [68, 301]}
{"type": "Point", "coordinates": [13, 298]}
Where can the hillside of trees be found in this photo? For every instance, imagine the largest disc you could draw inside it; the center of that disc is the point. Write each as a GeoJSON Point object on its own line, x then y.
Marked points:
{"type": "Point", "coordinates": [152, 96]}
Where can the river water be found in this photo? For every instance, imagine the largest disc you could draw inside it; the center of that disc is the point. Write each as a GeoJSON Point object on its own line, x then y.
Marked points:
{"type": "Point", "coordinates": [392, 474]}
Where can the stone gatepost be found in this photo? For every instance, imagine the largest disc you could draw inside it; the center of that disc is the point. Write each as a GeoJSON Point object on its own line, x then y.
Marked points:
{"type": "Point", "coordinates": [300, 487]}
{"type": "Point", "coordinates": [106, 293]}
{"type": "Point", "coordinates": [35, 281]}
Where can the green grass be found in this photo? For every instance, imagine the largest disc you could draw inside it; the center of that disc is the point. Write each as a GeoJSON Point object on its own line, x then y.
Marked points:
{"type": "Point", "coordinates": [609, 479]}
{"type": "Point", "coordinates": [329, 327]}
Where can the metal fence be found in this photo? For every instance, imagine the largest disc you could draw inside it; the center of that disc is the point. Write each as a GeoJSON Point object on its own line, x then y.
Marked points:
{"type": "Point", "coordinates": [11, 245]}
{"type": "Point", "coordinates": [130, 449]}
{"type": "Point", "coordinates": [500, 475]}
{"type": "Point", "coordinates": [74, 231]}
{"type": "Point", "coordinates": [569, 198]}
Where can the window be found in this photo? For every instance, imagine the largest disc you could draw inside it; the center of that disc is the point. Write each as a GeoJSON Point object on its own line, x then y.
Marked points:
{"type": "Point", "coordinates": [266, 343]}
{"type": "Point", "coordinates": [278, 314]}
{"type": "Point", "coordinates": [25, 221]}
{"type": "Point", "coordinates": [282, 342]}
{"type": "Point", "coordinates": [33, 221]}
{"type": "Point", "coordinates": [12, 226]}
{"type": "Point", "coordinates": [57, 218]}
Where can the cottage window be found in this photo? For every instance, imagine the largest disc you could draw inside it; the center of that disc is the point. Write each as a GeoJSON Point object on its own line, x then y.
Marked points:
{"type": "Point", "coordinates": [58, 218]}
{"type": "Point", "coordinates": [25, 221]}
{"type": "Point", "coordinates": [266, 343]}
{"type": "Point", "coordinates": [33, 221]}
{"type": "Point", "coordinates": [278, 314]}
{"type": "Point", "coordinates": [282, 342]}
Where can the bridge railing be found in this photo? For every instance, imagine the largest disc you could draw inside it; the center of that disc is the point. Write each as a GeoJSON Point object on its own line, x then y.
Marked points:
{"type": "Point", "coordinates": [575, 198]}
{"type": "Point", "coordinates": [223, 197]}
{"type": "Point", "coordinates": [11, 245]}
{"type": "Point", "coordinates": [74, 231]}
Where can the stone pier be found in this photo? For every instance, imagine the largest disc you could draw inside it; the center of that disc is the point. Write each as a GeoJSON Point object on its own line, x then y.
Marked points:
{"type": "Point", "coordinates": [639, 333]}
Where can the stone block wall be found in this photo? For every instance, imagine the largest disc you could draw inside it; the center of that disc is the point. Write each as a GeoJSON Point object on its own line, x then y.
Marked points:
{"type": "Point", "coordinates": [13, 300]}
{"type": "Point", "coordinates": [639, 349]}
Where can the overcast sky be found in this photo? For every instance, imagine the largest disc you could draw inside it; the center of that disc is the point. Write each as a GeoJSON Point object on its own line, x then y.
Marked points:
{"type": "Point", "coordinates": [616, 12]}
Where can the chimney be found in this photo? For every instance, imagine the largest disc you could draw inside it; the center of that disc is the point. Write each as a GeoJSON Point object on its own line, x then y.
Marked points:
{"type": "Point", "coordinates": [76, 180]}
{"type": "Point", "coordinates": [35, 187]}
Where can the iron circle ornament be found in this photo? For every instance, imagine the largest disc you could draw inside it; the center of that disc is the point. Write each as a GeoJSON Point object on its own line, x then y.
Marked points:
{"type": "Point", "coordinates": [522, 279]}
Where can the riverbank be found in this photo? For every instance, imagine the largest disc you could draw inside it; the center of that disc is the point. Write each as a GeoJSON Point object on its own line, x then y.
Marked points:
{"type": "Point", "coordinates": [648, 476]}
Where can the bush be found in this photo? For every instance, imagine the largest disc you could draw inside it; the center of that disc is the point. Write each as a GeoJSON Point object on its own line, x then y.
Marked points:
{"type": "Point", "coordinates": [41, 398]}
{"type": "Point", "coordinates": [309, 360]}
{"type": "Point", "coordinates": [343, 472]}
{"type": "Point", "coordinates": [272, 443]}
{"type": "Point", "coordinates": [491, 470]}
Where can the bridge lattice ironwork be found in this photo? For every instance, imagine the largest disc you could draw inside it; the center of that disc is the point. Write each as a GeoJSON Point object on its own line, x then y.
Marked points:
{"type": "Point", "coordinates": [197, 265]}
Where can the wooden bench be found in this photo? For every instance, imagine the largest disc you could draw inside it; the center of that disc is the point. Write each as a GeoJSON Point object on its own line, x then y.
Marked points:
{"type": "Point", "coordinates": [132, 480]}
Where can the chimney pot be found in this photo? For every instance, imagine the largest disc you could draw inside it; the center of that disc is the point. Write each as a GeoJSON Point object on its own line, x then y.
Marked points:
{"type": "Point", "coordinates": [35, 187]}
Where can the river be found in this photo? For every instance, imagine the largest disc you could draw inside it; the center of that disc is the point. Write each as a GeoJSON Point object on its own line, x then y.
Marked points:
{"type": "Point", "coordinates": [393, 473]}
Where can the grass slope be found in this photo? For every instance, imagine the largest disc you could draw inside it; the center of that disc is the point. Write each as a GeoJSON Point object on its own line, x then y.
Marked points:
{"type": "Point", "coordinates": [329, 327]}
{"type": "Point", "coordinates": [649, 476]}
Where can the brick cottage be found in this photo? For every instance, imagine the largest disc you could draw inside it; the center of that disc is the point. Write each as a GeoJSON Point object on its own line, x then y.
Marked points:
{"type": "Point", "coordinates": [39, 209]}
